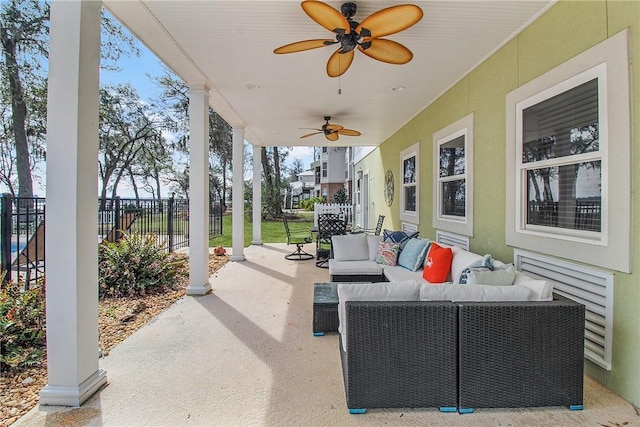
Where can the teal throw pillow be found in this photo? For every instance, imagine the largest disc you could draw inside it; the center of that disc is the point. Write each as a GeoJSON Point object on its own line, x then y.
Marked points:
{"type": "Point", "coordinates": [412, 256]}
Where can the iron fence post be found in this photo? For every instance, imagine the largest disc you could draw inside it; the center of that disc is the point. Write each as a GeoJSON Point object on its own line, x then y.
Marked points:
{"type": "Point", "coordinates": [116, 220]}
{"type": "Point", "coordinates": [5, 235]}
{"type": "Point", "coordinates": [219, 217]}
{"type": "Point", "coordinates": [170, 207]}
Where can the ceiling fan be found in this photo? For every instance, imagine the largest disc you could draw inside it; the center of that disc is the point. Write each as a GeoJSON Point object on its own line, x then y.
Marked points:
{"type": "Point", "coordinates": [332, 131]}
{"type": "Point", "coordinates": [366, 36]}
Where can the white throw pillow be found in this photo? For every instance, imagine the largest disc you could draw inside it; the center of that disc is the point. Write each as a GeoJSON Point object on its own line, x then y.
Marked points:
{"type": "Point", "coordinates": [498, 277]}
{"type": "Point", "coordinates": [541, 289]}
{"type": "Point", "coordinates": [350, 247]}
{"type": "Point", "coordinates": [373, 242]}
{"type": "Point", "coordinates": [461, 260]}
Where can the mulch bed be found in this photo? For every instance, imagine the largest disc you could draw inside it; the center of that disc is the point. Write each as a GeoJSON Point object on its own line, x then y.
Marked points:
{"type": "Point", "coordinates": [117, 319]}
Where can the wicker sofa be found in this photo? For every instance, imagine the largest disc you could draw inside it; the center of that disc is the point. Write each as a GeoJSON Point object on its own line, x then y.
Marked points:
{"type": "Point", "coordinates": [459, 356]}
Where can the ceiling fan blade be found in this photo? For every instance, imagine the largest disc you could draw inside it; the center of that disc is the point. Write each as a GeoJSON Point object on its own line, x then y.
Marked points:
{"type": "Point", "coordinates": [326, 16]}
{"type": "Point", "coordinates": [310, 134]}
{"type": "Point", "coordinates": [348, 132]}
{"type": "Point", "coordinates": [339, 63]}
{"type": "Point", "coordinates": [387, 51]}
{"type": "Point", "coordinates": [334, 127]}
{"type": "Point", "coordinates": [391, 20]}
{"type": "Point", "coordinates": [333, 136]}
{"type": "Point", "coordinates": [304, 45]}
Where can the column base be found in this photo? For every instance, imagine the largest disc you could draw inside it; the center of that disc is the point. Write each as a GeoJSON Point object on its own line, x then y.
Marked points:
{"type": "Point", "coordinates": [73, 396]}
{"type": "Point", "coordinates": [198, 290]}
{"type": "Point", "coordinates": [238, 257]}
{"type": "Point", "coordinates": [256, 242]}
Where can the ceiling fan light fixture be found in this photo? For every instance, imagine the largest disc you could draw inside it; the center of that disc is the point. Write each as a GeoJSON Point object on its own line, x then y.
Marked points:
{"type": "Point", "coordinates": [252, 86]}
{"type": "Point", "coordinates": [365, 36]}
{"type": "Point", "coordinates": [398, 88]}
{"type": "Point", "coordinates": [332, 131]}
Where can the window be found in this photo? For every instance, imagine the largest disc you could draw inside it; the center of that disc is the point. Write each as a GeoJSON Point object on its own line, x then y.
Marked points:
{"type": "Point", "coordinates": [409, 200]}
{"type": "Point", "coordinates": [562, 162]}
{"type": "Point", "coordinates": [569, 159]}
{"type": "Point", "coordinates": [453, 177]}
{"type": "Point", "coordinates": [324, 169]}
{"type": "Point", "coordinates": [324, 149]}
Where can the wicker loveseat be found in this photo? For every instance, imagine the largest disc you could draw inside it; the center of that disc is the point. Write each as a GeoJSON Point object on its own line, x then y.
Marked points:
{"type": "Point", "coordinates": [462, 355]}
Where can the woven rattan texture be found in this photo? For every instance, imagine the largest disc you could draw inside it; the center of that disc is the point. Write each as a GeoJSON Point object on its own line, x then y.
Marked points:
{"type": "Point", "coordinates": [366, 278]}
{"type": "Point", "coordinates": [400, 354]}
{"type": "Point", "coordinates": [325, 318]}
{"type": "Point", "coordinates": [521, 354]}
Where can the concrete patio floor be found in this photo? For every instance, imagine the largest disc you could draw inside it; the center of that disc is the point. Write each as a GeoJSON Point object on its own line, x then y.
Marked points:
{"type": "Point", "coordinates": [245, 355]}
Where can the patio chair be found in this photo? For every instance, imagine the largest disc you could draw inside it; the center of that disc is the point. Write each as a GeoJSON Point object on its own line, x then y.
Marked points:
{"type": "Point", "coordinates": [31, 257]}
{"type": "Point", "coordinates": [297, 237]}
{"type": "Point", "coordinates": [328, 225]}
{"type": "Point", "coordinates": [126, 221]}
{"type": "Point", "coordinates": [375, 231]}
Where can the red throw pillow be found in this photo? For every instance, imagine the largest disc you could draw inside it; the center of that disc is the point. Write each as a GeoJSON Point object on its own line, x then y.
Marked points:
{"type": "Point", "coordinates": [437, 264]}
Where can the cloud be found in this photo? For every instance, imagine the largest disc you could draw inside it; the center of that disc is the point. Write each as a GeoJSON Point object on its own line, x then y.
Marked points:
{"type": "Point", "coordinates": [305, 154]}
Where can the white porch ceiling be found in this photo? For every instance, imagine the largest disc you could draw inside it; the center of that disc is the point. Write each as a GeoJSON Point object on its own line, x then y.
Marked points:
{"type": "Point", "coordinates": [228, 46]}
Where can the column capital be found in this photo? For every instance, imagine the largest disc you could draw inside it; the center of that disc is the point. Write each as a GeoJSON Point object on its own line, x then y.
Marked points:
{"type": "Point", "coordinates": [199, 88]}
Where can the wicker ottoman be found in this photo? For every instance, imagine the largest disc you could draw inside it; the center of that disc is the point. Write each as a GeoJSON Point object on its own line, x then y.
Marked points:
{"type": "Point", "coordinates": [325, 308]}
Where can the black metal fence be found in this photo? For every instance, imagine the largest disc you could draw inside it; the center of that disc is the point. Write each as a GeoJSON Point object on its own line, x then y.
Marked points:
{"type": "Point", "coordinates": [22, 235]}
{"type": "Point", "coordinates": [585, 214]}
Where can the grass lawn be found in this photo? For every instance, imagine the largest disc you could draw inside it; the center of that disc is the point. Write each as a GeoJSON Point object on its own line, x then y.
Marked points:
{"type": "Point", "coordinates": [272, 231]}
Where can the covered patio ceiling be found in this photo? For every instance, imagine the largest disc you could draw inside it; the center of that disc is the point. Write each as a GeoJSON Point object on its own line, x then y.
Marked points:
{"type": "Point", "coordinates": [228, 46]}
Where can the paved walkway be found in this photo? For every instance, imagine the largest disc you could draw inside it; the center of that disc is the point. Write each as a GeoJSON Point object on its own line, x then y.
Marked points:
{"type": "Point", "coordinates": [245, 355]}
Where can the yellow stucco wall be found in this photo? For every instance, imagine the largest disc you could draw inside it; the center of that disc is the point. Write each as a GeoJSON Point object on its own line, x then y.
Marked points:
{"type": "Point", "coordinates": [565, 30]}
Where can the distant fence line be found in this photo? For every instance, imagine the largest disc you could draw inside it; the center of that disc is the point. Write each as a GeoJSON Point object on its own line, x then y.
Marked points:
{"type": "Point", "coordinates": [345, 211]}
{"type": "Point", "coordinates": [22, 228]}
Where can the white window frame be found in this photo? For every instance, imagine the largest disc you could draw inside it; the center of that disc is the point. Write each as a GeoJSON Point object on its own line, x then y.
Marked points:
{"type": "Point", "coordinates": [598, 72]}
{"type": "Point", "coordinates": [611, 248]}
{"type": "Point", "coordinates": [406, 215]}
{"type": "Point", "coordinates": [459, 225]}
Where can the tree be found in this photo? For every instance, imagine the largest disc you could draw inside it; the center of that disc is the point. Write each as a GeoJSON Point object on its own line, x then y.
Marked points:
{"type": "Point", "coordinates": [271, 159]}
{"type": "Point", "coordinates": [296, 168]}
{"type": "Point", "coordinates": [127, 133]}
{"type": "Point", "coordinates": [24, 43]}
{"type": "Point", "coordinates": [23, 36]}
{"type": "Point", "coordinates": [175, 99]}
{"type": "Point", "coordinates": [220, 149]}
{"type": "Point", "coordinates": [340, 197]}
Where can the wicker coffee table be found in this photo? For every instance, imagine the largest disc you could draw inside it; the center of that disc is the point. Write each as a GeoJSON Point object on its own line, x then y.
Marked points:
{"type": "Point", "coordinates": [325, 308]}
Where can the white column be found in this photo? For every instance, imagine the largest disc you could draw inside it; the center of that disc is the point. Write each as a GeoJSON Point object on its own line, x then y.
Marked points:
{"type": "Point", "coordinates": [72, 205]}
{"type": "Point", "coordinates": [257, 196]}
{"type": "Point", "coordinates": [198, 191]}
{"type": "Point", "coordinates": [237, 214]}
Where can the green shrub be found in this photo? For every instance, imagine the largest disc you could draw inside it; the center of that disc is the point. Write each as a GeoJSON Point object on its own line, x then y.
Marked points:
{"type": "Point", "coordinates": [136, 266]}
{"type": "Point", "coordinates": [22, 326]}
{"type": "Point", "coordinates": [309, 204]}
{"type": "Point", "coordinates": [340, 197]}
